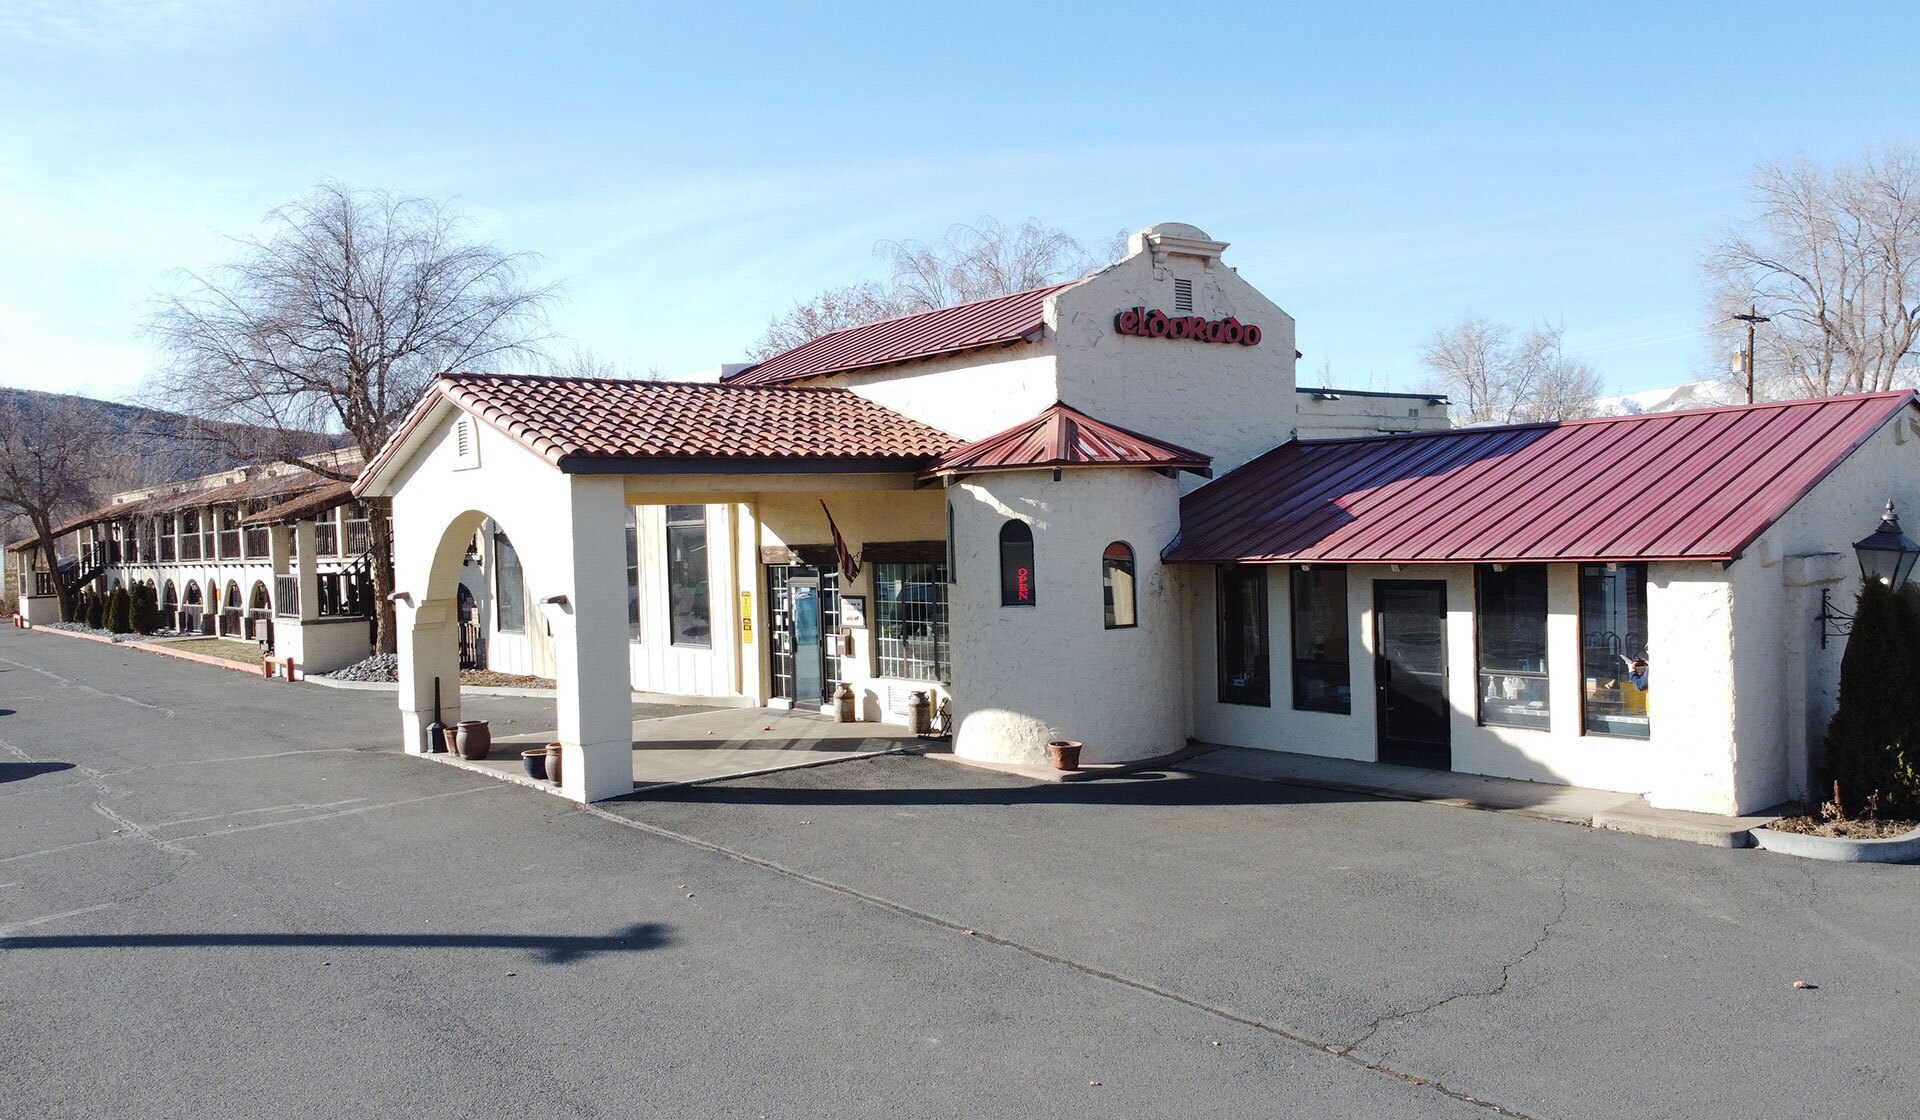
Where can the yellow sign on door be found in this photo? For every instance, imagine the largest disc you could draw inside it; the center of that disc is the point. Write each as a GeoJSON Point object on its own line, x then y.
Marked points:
{"type": "Point", "coordinates": [746, 617]}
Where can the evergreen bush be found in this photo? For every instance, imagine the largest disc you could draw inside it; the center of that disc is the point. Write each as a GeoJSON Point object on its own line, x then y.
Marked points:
{"type": "Point", "coordinates": [120, 611]}
{"type": "Point", "coordinates": [96, 609]}
{"type": "Point", "coordinates": [146, 608]}
{"type": "Point", "coordinates": [1873, 740]}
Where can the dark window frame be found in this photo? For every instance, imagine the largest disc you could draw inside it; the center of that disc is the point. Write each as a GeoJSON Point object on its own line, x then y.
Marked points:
{"type": "Point", "coordinates": [1109, 564]}
{"type": "Point", "coordinates": [1329, 673]}
{"type": "Point", "coordinates": [683, 528]}
{"type": "Point", "coordinates": [1507, 686]}
{"type": "Point", "coordinates": [1254, 688]}
{"type": "Point", "coordinates": [633, 574]}
{"type": "Point", "coordinates": [1016, 545]}
{"type": "Point", "coordinates": [509, 602]}
{"type": "Point", "coordinates": [1600, 654]}
{"type": "Point", "coordinates": [917, 622]}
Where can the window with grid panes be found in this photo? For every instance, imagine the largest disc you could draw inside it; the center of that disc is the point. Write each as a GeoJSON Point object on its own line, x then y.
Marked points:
{"type": "Point", "coordinates": [910, 616]}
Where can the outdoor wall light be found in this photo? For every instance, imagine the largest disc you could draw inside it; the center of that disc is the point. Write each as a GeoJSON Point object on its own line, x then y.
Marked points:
{"type": "Point", "coordinates": [1886, 555]}
{"type": "Point", "coordinates": [555, 601]}
{"type": "Point", "coordinates": [401, 597]}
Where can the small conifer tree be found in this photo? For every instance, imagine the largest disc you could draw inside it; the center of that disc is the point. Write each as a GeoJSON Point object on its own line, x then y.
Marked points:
{"type": "Point", "coordinates": [1873, 740]}
{"type": "Point", "coordinates": [146, 609]}
{"type": "Point", "coordinates": [120, 611]}
{"type": "Point", "coordinates": [96, 609]}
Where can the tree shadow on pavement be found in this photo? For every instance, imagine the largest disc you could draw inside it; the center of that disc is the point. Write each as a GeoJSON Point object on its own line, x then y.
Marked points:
{"type": "Point", "coordinates": [954, 786]}
{"type": "Point", "coordinates": [20, 771]}
{"type": "Point", "coordinates": [555, 948]}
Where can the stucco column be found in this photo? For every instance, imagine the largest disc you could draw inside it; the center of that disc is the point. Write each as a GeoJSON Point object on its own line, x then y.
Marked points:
{"type": "Point", "coordinates": [309, 570]}
{"type": "Point", "coordinates": [428, 647]}
{"type": "Point", "coordinates": [594, 699]}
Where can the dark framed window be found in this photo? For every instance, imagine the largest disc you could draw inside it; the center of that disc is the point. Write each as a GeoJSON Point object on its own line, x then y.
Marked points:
{"type": "Point", "coordinates": [355, 527]}
{"type": "Point", "coordinates": [509, 588]}
{"type": "Point", "coordinates": [229, 517]}
{"type": "Point", "coordinates": [1242, 634]}
{"type": "Point", "coordinates": [687, 576]}
{"type": "Point", "coordinates": [256, 540]}
{"type": "Point", "coordinates": [326, 533]}
{"type": "Point", "coordinates": [633, 574]}
{"type": "Point", "coordinates": [1322, 669]}
{"type": "Point", "coordinates": [1016, 564]}
{"type": "Point", "coordinates": [1613, 637]}
{"type": "Point", "coordinates": [1510, 627]}
{"type": "Point", "coordinates": [189, 534]}
{"type": "Point", "coordinates": [910, 621]}
{"type": "Point", "coordinates": [1116, 586]}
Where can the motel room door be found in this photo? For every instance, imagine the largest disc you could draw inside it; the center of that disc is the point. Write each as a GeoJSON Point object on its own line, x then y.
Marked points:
{"type": "Point", "coordinates": [1410, 672]}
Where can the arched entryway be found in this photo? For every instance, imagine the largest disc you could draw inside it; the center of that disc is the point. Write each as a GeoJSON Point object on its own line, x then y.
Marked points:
{"type": "Point", "coordinates": [232, 608]}
{"type": "Point", "coordinates": [192, 609]}
{"type": "Point", "coordinates": [170, 606]}
{"type": "Point", "coordinates": [260, 614]}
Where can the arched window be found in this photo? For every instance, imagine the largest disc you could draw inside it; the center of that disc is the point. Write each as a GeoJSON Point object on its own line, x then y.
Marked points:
{"type": "Point", "coordinates": [193, 594]}
{"type": "Point", "coordinates": [233, 594]}
{"type": "Point", "coordinates": [1116, 580]}
{"type": "Point", "coordinates": [169, 598]}
{"type": "Point", "coordinates": [259, 600]}
{"type": "Point", "coordinates": [1016, 564]}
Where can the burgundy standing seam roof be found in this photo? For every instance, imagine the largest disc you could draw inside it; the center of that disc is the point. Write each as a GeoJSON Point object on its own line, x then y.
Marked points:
{"type": "Point", "coordinates": [1063, 436]}
{"type": "Point", "coordinates": [947, 330]}
{"type": "Point", "coordinates": [1696, 485]}
{"type": "Point", "coordinates": [572, 420]}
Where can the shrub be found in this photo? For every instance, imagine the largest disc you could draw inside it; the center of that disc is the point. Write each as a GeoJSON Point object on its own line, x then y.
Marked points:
{"type": "Point", "coordinates": [96, 609]}
{"type": "Point", "coordinates": [146, 608]}
{"type": "Point", "coordinates": [1873, 740]}
{"type": "Point", "coordinates": [120, 611]}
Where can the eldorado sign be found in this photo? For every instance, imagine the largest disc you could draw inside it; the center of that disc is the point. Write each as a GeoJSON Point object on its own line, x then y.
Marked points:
{"type": "Point", "coordinates": [1156, 324]}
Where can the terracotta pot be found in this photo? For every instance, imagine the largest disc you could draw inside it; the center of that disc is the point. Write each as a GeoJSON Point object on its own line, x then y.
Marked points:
{"type": "Point", "coordinates": [553, 763]}
{"type": "Point", "coordinates": [535, 762]}
{"type": "Point", "coordinates": [1065, 754]}
{"type": "Point", "coordinates": [452, 736]}
{"type": "Point", "coordinates": [476, 739]}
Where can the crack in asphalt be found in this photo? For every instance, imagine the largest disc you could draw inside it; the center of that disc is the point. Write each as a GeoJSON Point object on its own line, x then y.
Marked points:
{"type": "Point", "coordinates": [1506, 972]}
{"type": "Point", "coordinates": [1331, 1050]}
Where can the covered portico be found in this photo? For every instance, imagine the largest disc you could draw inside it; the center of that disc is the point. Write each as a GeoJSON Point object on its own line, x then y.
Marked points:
{"type": "Point", "coordinates": [561, 466]}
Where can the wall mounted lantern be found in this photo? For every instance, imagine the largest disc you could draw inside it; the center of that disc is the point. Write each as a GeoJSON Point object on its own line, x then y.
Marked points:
{"type": "Point", "coordinates": [1886, 555]}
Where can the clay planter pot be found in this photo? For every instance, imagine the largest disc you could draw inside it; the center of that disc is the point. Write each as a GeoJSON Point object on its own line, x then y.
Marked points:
{"type": "Point", "coordinates": [475, 739]}
{"type": "Point", "coordinates": [535, 762]}
{"type": "Point", "coordinates": [1065, 754]}
{"type": "Point", "coordinates": [452, 736]}
{"type": "Point", "coordinates": [553, 763]}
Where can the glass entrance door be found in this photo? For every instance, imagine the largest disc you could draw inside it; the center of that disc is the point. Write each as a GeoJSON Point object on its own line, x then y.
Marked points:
{"type": "Point", "coordinates": [1410, 672]}
{"type": "Point", "coordinates": [809, 675]}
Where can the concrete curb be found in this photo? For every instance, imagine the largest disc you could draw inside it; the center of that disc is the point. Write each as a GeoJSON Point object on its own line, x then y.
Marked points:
{"type": "Point", "coordinates": [450, 759]}
{"type": "Point", "coordinates": [394, 686]}
{"type": "Point", "coordinates": [1840, 849]}
{"type": "Point", "coordinates": [202, 658]}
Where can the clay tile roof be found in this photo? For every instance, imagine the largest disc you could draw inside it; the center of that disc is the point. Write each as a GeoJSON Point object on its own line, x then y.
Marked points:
{"type": "Point", "coordinates": [581, 423]}
{"type": "Point", "coordinates": [948, 330]}
{"type": "Point", "coordinates": [1696, 485]}
{"type": "Point", "coordinates": [1063, 436]}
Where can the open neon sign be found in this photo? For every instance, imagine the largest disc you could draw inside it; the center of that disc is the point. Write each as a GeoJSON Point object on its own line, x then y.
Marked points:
{"type": "Point", "coordinates": [1140, 322]}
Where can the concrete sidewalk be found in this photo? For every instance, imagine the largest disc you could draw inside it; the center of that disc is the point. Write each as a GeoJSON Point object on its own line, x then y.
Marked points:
{"type": "Point", "coordinates": [1595, 808]}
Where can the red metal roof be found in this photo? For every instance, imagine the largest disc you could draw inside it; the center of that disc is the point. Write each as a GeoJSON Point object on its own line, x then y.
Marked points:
{"type": "Point", "coordinates": [1065, 437]}
{"type": "Point", "coordinates": [574, 422]}
{"type": "Point", "coordinates": [1697, 485]}
{"type": "Point", "coordinates": [948, 330]}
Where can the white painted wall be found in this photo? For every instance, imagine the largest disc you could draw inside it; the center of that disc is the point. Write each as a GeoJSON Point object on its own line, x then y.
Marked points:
{"type": "Point", "coordinates": [1348, 414]}
{"type": "Point", "coordinates": [969, 396]}
{"type": "Point", "coordinates": [1025, 675]}
{"type": "Point", "coordinates": [1687, 763]}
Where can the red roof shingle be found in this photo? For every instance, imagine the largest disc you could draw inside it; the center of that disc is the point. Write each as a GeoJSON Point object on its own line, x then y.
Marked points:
{"type": "Point", "coordinates": [1063, 436]}
{"type": "Point", "coordinates": [1699, 485]}
{"type": "Point", "coordinates": [573, 422]}
{"type": "Point", "coordinates": [929, 334]}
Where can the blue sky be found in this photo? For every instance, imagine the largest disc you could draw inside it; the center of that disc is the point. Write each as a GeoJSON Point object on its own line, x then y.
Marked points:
{"type": "Point", "coordinates": [688, 170]}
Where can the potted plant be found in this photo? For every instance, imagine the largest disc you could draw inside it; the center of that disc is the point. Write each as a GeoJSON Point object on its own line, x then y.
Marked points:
{"type": "Point", "coordinates": [1065, 754]}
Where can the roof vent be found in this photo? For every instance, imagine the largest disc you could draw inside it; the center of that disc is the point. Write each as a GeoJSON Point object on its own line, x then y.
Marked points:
{"type": "Point", "coordinates": [1183, 297]}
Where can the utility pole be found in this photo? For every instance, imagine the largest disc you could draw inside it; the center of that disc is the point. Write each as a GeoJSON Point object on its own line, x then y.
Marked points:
{"type": "Point", "coordinates": [1750, 318]}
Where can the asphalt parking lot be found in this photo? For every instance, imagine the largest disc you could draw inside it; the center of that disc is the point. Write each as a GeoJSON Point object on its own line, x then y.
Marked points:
{"type": "Point", "coordinates": [221, 897]}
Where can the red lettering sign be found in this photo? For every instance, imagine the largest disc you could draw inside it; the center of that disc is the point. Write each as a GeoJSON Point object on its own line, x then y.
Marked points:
{"type": "Point", "coordinates": [1026, 585]}
{"type": "Point", "coordinates": [1141, 323]}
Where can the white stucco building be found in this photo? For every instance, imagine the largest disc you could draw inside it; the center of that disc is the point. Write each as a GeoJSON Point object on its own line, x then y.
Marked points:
{"type": "Point", "coordinates": [1026, 532]}
{"type": "Point", "coordinates": [271, 553]}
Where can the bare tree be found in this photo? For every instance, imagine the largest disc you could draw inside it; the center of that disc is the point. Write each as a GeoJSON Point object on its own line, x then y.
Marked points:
{"type": "Point", "coordinates": [53, 465]}
{"type": "Point", "coordinates": [1496, 378]}
{"type": "Point", "coordinates": [337, 319]}
{"type": "Point", "coordinates": [973, 262]}
{"type": "Point", "coordinates": [581, 361]}
{"type": "Point", "coordinates": [1832, 255]}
